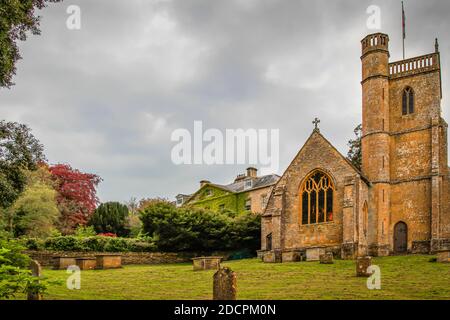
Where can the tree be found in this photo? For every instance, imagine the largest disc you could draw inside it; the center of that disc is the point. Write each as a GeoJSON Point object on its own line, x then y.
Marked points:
{"type": "Point", "coordinates": [35, 212]}
{"type": "Point", "coordinates": [110, 217]}
{"type": "Point", "coordinates": [354, 153]}
{"type": "Point", "coordinates": [77, 196]}
{"type": "Point", "coordinates": [17, 18]}
{"type": "Point", "coordinates": [19, 151]}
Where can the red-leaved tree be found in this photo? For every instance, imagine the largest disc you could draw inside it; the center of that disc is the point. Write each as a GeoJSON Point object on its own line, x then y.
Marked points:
{"type": "Point", "coordinates": [77, 196]}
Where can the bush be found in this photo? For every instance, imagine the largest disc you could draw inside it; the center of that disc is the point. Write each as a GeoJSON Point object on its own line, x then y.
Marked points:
{"type": "Point", "coordinates": [90, 244]}
{"type": "Point", "coordinates": [190, 229]}
{"type": "Point", "coordinates": [14, 274]}
{"type": "Point", "coordinates": [83, 231]}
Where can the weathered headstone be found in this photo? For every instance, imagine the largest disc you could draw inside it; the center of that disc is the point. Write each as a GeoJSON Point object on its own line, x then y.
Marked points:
{"type": "Point", "coordinates": [443, 256]}
{"type": "Point", "coordinates": [36, 271]}
{"type": "Point", "coordinates": [224, 287]}
{"type": "Point", "coordinates": [362, 264]}
{"type": "Point", "coordinates": [326, 258]}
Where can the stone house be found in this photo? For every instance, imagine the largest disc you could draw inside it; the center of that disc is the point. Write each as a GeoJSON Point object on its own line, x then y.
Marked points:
{"type": "Point", "coordinates": [399, 202]}
{"type": "Point", "coordinates": [248, 192]}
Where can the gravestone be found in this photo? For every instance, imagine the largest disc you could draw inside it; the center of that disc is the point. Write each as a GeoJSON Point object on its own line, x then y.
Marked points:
{"type": "Point", "coordinates": [36, 271]}
{"type": "Point", "coordinates": [224, 287]}
{"type": "Point", "coordinates": [313, 254]}
{"type": "Point", "coordinates": [326, 258]}
{"type": "Point", "coordinates": [362, 264]}
{"type": "Point", "coordinates": [443, 256]}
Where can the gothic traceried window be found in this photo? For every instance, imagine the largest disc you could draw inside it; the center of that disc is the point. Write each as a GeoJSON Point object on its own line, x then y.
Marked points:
{"type": "Point", "coordinates": [316, 199]}
{"type": "Point", "coordinates": [408, 101]}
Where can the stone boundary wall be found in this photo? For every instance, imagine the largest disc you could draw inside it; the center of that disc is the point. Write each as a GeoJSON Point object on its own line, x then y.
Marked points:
{"type": "Point", "coordinates": [45, 257]}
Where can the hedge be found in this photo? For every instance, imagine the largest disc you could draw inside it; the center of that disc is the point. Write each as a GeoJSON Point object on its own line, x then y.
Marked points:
{"type": "Point", "coordinates": [89, 244]}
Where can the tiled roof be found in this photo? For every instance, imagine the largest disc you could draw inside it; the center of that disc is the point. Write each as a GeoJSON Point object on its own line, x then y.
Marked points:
{"type": "Point", "coordinates": [259, 182]}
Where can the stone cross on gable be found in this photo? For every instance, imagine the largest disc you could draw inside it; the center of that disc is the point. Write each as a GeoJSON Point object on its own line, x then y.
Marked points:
{"type": "Point", "coordinates": [316, 124]}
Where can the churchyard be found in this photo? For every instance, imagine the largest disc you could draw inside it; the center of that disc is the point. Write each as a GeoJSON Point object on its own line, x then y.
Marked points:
{"type": "Point", "coordinates": [402, 277]}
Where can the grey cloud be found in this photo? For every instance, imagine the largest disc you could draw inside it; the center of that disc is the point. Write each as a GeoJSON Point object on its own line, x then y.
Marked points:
{"type": "Point", "coordinates": [106, 98]}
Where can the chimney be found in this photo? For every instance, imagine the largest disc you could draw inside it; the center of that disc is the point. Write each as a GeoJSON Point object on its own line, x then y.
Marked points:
{"type": "Point", "coordinates": [252, 172]}
{"type": "Point", "coordinates": [204, 182]}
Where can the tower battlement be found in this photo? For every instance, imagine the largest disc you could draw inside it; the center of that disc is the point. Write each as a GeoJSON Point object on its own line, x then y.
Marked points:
{"type": "Point", "coordinates": [375, 42]}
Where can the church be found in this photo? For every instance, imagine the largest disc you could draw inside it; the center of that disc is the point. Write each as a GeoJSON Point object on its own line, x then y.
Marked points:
{"type": "Point", "coordinates": [399, 202]}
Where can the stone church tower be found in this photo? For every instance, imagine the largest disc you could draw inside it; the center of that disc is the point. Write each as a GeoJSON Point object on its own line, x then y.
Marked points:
{"type": "Point", "coordinates": [399, 202]}
{"type": "Point", "coordinates": [404, 149]}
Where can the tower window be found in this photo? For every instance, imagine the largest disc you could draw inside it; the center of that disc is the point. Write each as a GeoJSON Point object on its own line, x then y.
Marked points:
{"type": "Point", "coordinates": [408, 101]}
{"type": "Point", "coordinates": [316, 198]}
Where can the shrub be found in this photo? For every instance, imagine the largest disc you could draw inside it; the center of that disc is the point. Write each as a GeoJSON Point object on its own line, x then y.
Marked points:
{"type": "Point", "coordinates": [14, 276]}
{"type": "Point", "coordinates": [83, 231]}
{"type": "Point", "coordinates": [191, 229]}
{"type": "Point", "coordinates": [64, 243]}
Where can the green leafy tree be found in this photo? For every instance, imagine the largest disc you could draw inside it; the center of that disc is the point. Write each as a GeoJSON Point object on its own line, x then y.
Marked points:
{"type": "Point", "coordinates": [19, 151]}
{"type": "Point", "coordinates": [354, 153]}
{"type": "Point", "coordinates": [17, 18]}
{"type": "Point", "coordinates": [110, 217]}
{"type": "Point", "coordinates": [35, 212]}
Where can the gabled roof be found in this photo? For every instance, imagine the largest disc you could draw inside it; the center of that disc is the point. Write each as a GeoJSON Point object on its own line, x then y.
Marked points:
{"type": "Point", "coordinates": [239, 186]}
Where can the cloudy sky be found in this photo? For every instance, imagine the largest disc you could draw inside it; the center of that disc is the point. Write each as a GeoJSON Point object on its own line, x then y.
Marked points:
{"type": "Point", "coordinates": [106, 98]}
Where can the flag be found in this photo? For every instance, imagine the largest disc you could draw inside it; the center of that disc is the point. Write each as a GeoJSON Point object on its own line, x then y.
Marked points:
{"type": "Point", "coordinates": [403, 21]}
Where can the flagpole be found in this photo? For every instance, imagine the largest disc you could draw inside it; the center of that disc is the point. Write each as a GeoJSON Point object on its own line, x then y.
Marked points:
{"type": "Point", "coordinates": [403, 29]}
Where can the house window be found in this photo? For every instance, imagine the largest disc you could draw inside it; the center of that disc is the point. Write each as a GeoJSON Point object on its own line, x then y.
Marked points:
{"type": "Point", "coordinates": [248, 204]}
{"type": "Point", "coordinates": [316, 198]}
{"type": "Point", "coordinates": [248, 184]}
{"type": "Point", "coordinates": [208, 192]}
{"type": "Point", "coordinates": [408, 101]}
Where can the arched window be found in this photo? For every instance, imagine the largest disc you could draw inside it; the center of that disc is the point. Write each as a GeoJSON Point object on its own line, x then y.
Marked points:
{"type": "Point", "coordinates": [408, 101]}
{"type": "Point", "coordinates": [316, 197]}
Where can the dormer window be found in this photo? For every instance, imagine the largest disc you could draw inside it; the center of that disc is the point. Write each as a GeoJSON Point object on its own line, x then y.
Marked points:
{"type": "Point", "coordinates": [408, 101]}
{"type": "Point", "coordinates": [248, 184]}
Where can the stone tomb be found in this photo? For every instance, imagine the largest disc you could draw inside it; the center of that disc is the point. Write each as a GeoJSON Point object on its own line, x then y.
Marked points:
{"type": "Point", "coordinates": [86, 263]}
{"type": "Point", "coordinates": [326, 258]}
{"type": "Point", "coordinates": [362, 264]}
{"type": "Point", "coordinates": [443, 256]}
{"type": "Point", "coordinates": [206, 263]}
{"type": "Point", "coordinates": [108, 261]}
{"type": "Point", "coordinates": [272, 257]}
{"type": "Point", "coordinates": [62, 262]}
{"type": "Point", "coordinates": [313, 254]}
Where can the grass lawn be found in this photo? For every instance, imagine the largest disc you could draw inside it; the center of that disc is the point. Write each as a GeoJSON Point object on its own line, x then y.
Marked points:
{"type": "Point", "coordinates": [407, 277]}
